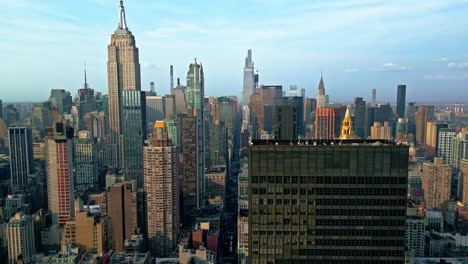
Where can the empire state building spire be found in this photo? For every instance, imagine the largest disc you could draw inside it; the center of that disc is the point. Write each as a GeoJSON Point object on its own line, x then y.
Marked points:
{"type": "Point", "coordinates": [122, 22]}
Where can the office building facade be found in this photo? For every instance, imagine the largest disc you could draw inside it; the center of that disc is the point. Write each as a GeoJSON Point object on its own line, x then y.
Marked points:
{"type": "Point", "coordinates": [21, 157]}
{"type": "Point", "coordinates": [308, 204]}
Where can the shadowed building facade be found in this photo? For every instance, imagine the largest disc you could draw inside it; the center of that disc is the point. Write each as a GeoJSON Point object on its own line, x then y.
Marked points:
{"type": "Point", "coordinates": [21, 157]}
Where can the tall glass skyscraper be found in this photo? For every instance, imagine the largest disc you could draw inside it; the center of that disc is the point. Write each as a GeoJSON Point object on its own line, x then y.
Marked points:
{"type": "Point", "coordinates": [195, 108]}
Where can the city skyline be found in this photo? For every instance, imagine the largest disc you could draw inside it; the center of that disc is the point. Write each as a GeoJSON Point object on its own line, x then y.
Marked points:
{"type": "Point", "coordinates": [329, 35]}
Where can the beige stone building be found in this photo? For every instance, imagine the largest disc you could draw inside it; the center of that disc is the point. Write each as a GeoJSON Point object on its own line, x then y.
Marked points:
{"type": "Point", "coordinates": [123, 73]}
{"type": "Point", "coordinates": [88, 231]}
{"type": "Point", "coordinates": [381, 132]}
{"type": "Point", "coordinates": [436, 182]}
{"type": "Point", "coordinates": [161, 185]}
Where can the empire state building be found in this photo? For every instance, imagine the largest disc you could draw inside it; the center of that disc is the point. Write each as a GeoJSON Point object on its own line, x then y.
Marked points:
{"type": "Point", "coordinates": [126, 101]}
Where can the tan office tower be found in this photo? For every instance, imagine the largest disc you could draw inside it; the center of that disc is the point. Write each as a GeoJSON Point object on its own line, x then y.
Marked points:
{"type": "Point", "coordinates": [161, 184]}
{"type": "Point", "coordinates": [123, 73]}
{"type": "Point", "coordinates": [256, 113]}
{"type": "Point", "coordinates": [20, 237]}
{"type": "Point", "coordinates": [59, 165]}
{"type": "Point", "coordinates": [122, 210]}
{"type": "Point", "coordinates": [436, 182]}
{"type": "Point", "coordinates": [463, 181]}
{"type": "Point", "coordinates": [423, 115]}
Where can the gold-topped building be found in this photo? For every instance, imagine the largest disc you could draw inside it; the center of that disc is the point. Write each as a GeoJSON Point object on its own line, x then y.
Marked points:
{"type": "Point", "coordinates": [347, 127]}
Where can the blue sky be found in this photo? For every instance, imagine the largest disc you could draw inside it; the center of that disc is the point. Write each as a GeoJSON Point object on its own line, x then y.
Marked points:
{"type": "Point", "coordinates": [359, 44]}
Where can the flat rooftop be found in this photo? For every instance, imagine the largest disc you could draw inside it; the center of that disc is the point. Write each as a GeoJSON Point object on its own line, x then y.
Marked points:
{"type": "Point", "coordinates": [327, 142]}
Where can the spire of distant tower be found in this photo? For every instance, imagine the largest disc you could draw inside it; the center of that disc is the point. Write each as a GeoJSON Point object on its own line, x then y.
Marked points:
{"type": "Point", "coordinates": [85, 77]}
{"type": "Point", "coordinates": [321, 87]}
{"type": "Point", "coordinates": [122, 22]}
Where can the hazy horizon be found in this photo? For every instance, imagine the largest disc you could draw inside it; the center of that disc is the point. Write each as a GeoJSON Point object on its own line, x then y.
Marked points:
{"type": "Point", "coordinates": [360, 45]}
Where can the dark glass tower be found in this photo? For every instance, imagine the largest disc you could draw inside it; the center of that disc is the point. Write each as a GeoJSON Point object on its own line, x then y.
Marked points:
{"type": "Point", "coordinates": [360, 117]}
{"type": "Point", "coordinates": [21, 157]}
{"type": "Point", "coordinates": [401, 100]}
{"type": "Point", "coordinates": [337, 201]}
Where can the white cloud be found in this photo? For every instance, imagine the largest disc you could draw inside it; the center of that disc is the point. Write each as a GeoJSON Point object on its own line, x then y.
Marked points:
{"type": "Point", "coordinates": [392, 67]}
{"type": "Point", "coordinates": [451, 77]}
{"type": "Point", "coordinates": [443, 59]}
{"type": "Point", "coordinates": [458, 65]}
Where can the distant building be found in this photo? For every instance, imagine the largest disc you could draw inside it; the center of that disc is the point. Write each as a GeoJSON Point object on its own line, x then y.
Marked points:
{"type": "Point", "coordinates": [191, 193]}
{"type": "Point", "coordinates": [381, 132]}
{"type": "Point", "coordinates": [411, 116]}
{"type": "Point", "coordinates": [401, 100]}
{"type": "Point", "coordinates": [328, 122]}
{"type": "Point", "coordinates": [256, 114]}
{"type": "Point", "coordinates": [460, 148]}
{"type": "Point", "coordinates": [133, 134]}
{"type": "Point", "coordinates": [415, 234]}
{"type": "Point", "coordinates": [218, 145]}
{"type": "Point", "coordinates": [62, 100]}
{"type": "Point", "coordinates": [379, 113]}
{"type": "Point", "coordinates": [360, 126]}
{"type": "Point", "coordinates": [432, 134]}
{"type": "Point", "coordinates": [122, 210]}
{"type": "Point", "coordinates": [20, 237]}
{"type": "Point", "coordinates": [446, 144]}
{"type": "Point", "coordinates": [42, 117]}
{"type": "Point", "coordinates": [155, 108]}
{"type": "Point", "coordinates": [272, 96]}
{"type": "Point", "coordinates": [59, 169]}
{"type": "Point", "coordinates": [436, 182]}
{"type": "Point", "coordinates": [88, 231]}
{"type": "Point", "coordinates": [401, 128]}
{"type": "Point", "coordinates": [195, 108]}
{"type": "Point", "coordinates": [249, 79]}
{"type": "Point", "coordinates": [85, 161]}
{"type": "Point", "coordinates": [86, 100]}
{"type": "Point", "coordinates": [169, 106]}
{"type": "Point", "coordinates": [216, 182]}
{"type": "Point", "coordinates": [321, 96]}
{"type": "Point", "coordinates": [463, 181]}
{"type": "Point", "coordinates": [21, 157]}
{"type": "Point", "coordinates": [179, 93]}
{"type": "Point", "coordinates": [423, 115]}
